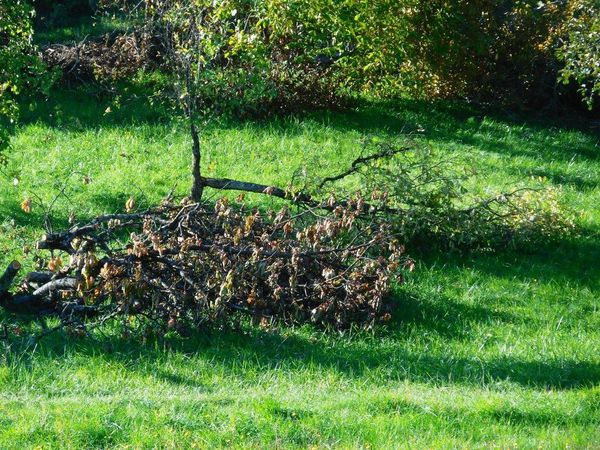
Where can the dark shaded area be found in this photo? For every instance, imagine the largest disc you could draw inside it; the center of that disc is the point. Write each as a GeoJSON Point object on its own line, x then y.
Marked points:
{"type": "Point", "coordinates": [272, 351]}
{"type": "Point", "coordinates": [461, 123]}
{"type": "Point", "coordinates": [80, 109]}
{"type": "Point", "coordinates": [62, 21]}
{"type": "Point", "coordinates": [539, 418]}
{"type": "Point", "coordinates": [574, 261]}
{"type": "Point", "coordinates": [442, 316]}
{"type": "Point", "coordinates": [576, 181]}
{"type": "Point", "coordinates": [68, 10]}
{"type": "Point", "coordinates": [36, 218]}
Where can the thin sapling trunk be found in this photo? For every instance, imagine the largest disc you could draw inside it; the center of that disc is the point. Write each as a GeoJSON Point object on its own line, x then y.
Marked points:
{"type": "Point", "coordinates": [197, 180]}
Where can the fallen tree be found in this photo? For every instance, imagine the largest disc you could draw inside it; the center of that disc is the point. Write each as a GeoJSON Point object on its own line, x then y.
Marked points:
{"type": "Point", "coordinates": [328, 256]}
{"type": "Point", "coordinates": [331, 262]}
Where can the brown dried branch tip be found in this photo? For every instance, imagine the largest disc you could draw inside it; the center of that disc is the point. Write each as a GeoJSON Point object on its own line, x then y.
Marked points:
{"type": "Point", "coordinates": [187, 264]}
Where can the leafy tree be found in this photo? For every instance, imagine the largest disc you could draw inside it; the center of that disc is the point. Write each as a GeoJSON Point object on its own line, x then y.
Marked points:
{"type": "Point", "coordinates": [580, 50]}
{"type": "Point", "coordinates": [20, 67]}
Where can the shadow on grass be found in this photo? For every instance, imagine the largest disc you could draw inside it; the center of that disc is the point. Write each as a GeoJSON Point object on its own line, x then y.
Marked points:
{"type": "Point", "coordinates": [448, 121]}
{"type": "Point", "coordinates": [441, 316]}
{"type": "Point", "coordinates": [533, 415]}
{"type": "Point", "coordinates": [390, 356]}
{"type": "Point", "coordinates": [572, 261]}
{"type": "Point", "coordinates": [33, 220]}
{"type": "Point", "coordinates": [459, 123]}
{"type": "Point", "coordinates": [559, 177]}
{"type": "Point", "coordinates": [512, 415]}
{"type": "Point", "coordinates": [234, 352]}
{"type": "Point", "coordinates": [80, 109]}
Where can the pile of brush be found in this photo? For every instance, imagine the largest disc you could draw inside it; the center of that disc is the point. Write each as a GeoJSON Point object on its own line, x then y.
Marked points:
{"type": "Point", "coordinates": [180, 265]}
{"type": "Point", "coordinates": [107, 57]}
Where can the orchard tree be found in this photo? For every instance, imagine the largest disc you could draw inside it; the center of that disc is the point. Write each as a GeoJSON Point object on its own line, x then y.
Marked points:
{"type": "Point", "coordinates": [210, 47]}
{"type": "Point", "coordinates": [230, 54]}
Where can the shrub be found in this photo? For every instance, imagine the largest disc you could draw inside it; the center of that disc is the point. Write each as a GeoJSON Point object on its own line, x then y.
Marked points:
{"type": "Point", "coordinates": [21, 69]}
{"type": "Point", "coordinates": [321, 50]}
{"type": "Point", "coordinates": [487, 50]}
{"type": "Point", "coordinates": [580, 49]}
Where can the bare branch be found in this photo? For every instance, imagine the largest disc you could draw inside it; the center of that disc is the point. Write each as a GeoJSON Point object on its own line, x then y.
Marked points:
{"type": "Point", "coordinates": [359, 162]}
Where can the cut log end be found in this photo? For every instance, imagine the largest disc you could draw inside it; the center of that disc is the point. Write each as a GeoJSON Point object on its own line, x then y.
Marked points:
{"type": "Point", "coordinates": [9, 275]}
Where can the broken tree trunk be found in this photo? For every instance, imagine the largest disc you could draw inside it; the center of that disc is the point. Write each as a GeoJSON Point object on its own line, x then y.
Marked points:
{"type": "Point", "coordinates": [43, 301]}
{"type": "Point", "coordinates": [19, 303]}
{"type": "Point", "coordinates": [193, 262]}
{"type": "Point", "coordinates": [9, 275]}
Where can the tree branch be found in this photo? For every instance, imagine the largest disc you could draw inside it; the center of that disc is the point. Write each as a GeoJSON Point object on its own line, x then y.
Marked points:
{"type": "Point", "coordinates": [9, 275]}
{"type": "Point", "coordinates": [54, 285]}
{"type": "Point", "coordinates": [362, 160]}
{"type": "Point", "coordinates": [235, 185]}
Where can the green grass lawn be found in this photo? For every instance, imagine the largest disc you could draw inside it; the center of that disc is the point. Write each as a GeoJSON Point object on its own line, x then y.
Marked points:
{"type": "Point", "coordinates": [485, 350]}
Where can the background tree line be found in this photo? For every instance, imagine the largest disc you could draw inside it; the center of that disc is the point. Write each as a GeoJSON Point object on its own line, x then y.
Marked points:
{"type": "Point", "coordinates": [527, 52]}
{"type": "Point", "coordinates": [268, 55]}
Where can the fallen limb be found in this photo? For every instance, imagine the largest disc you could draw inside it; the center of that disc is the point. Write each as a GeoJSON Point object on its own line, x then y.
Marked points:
{"type": "Point", "coordinates": [56, 285]}
{"type": "Point", "coordinates": [9, 275]}
{"type": "Point", "coordinates": [196, 264]}
{"type": "Point", "coordinates": [227, 184]}
{"type": "Point", "coordinates": [39, 278]}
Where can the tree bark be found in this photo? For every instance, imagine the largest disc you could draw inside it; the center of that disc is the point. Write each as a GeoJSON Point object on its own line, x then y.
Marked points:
{"type": "Point", "coordinates": [55, 285]}
{"type": "Point", "coordinates": [235, 185]}
{"type": "Point", "coordinates": [197, 181]}
{"type": "Point", "coordinates": [9, 275]}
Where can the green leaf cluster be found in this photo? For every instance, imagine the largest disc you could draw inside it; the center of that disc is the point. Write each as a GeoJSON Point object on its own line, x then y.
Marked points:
{"type": "Point", "coordinates": [21, 69]}
{"type": "Point", "coordinates": [580, 50]}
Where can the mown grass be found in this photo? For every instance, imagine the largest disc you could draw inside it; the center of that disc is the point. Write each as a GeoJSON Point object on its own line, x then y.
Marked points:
{"type": "Point", "coordinates": [489, 349]}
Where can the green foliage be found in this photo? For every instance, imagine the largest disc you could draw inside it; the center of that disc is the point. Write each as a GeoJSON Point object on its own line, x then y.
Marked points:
{"type": "Point", "coordinates": [485, 49]}
{"type": "Point", "coordinates": [20, 68]}
{"type": "Point", "coordinates": [251, 56]}
{"type": "Point", "coordinates": [256, 55]}
{"type": "Point", "coordinates": [430, 200]}
{"type": "Point", "coordinates": [581, 49]}
{"type": "Point", "coordinates": [365, 40]}
{"type": "Point", "coordinates": [214, 51]}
